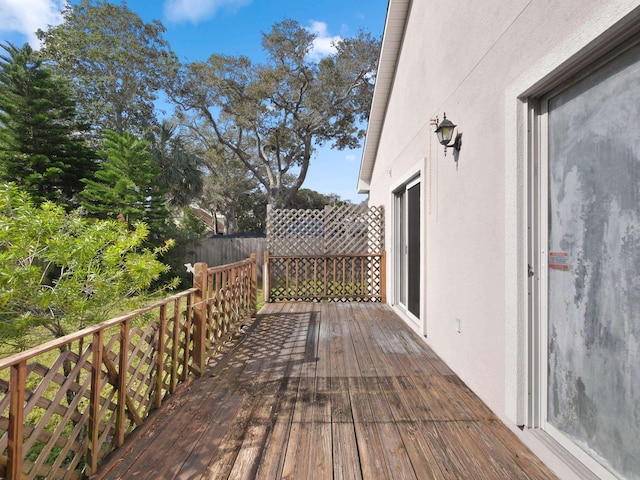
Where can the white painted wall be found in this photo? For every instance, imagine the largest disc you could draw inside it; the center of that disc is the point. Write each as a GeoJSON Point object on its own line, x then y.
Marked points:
{"type": "Point", "coordinates": [473, 60]}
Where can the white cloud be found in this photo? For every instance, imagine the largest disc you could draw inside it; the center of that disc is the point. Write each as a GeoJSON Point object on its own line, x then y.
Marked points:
{"type": "Point", "coordinates": [27, 16]}
{"type": "Point", "coordinates": [350, 158]}
{"type": "Point", "coordinates": [195, 11]}
{"type": "Point", "coordinates": [323, 44]}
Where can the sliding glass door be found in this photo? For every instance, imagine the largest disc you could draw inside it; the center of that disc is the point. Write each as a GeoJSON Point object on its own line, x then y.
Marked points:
{"type": "Point", "coordinates": [589, 259]}
{"type": "Point", "coordinates": [407, 247]}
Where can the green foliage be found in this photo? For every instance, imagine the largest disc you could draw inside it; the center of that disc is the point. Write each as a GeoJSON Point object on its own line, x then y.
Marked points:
{"type": "Point", "coordinates": [180, 169]}
{"type": "Point", "coordinates": [126, 185]}
{"type": "Point", "coordinates": [230, 191]}
{"type": "Point", "coordinates": [117, 63]}
{"type": "Point", "coordinates": [41, 148]}
{"type": "Point", "coordinates": [271, 117]}
{"type": "Point", "coordinates": [251, 212]}
{"type": "Point", "coordinates": [310, 199]}
{"type": "Point", "coordinates": [190, 225]}
{"type": "Point", "coordinates": [61, 272]}
{"type": "Point", "coordinates": [186, 229]}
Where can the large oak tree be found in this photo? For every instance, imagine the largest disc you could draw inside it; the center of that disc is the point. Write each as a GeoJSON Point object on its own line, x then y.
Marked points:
{"type": "Point", "coordinates": [272, 116]}
{"type": "Point", "coordinates": [118, 64]}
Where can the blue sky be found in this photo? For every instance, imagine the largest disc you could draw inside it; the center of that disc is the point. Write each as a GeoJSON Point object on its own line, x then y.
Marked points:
{"type": "Point", "coordinates": [198, 28]}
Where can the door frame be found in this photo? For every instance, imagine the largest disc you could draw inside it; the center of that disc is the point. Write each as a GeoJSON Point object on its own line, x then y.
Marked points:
{"type": "Point", "coordinates": [413, 176]}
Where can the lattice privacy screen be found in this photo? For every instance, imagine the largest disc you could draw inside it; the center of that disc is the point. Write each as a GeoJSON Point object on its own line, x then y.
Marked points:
{"type": "Point", "coordinates": [334, 230]}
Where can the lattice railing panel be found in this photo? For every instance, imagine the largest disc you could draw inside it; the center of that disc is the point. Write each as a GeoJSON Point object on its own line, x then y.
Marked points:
{"type": "Point", "coordinates": [230, 300]}
{"type": "Point", "coordinates": [57, 399]}
{"type": "Point", "coordinates": [66, 404]}
{"type": "Point", "coordinates": [58, 419]}
{"type": "Point", "coordinates": [178, 347]}
{"type": "Point", "coordinates": [141, 369]}
{"type": "Point", "coordinates": [56, 413]}
{"type": "Point", "coordinates": [328, 277]}
{"type": "Point", "coordinates": [334, 230]}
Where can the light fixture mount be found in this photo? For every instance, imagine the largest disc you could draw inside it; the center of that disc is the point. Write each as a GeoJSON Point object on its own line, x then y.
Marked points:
{"type": "Point", "coordinates": [444, 131]}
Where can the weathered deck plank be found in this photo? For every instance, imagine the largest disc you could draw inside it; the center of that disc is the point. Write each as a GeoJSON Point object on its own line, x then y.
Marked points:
{"type": "Point", "coordinates": [326, 391]}
{"type": "Point", "coordinates": [346, 460]}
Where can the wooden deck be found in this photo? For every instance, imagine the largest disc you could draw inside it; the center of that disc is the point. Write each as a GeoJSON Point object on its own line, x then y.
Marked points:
{"type": "Point", "coordinates": [326, 391]}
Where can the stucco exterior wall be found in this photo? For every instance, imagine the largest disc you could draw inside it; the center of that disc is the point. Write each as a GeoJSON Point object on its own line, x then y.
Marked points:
{"type": "Point", "coordinates": [472, 60]}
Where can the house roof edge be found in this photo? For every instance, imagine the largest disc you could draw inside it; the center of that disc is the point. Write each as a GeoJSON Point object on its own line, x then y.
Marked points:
{"type": "Point", "coordinates": [392, 39]}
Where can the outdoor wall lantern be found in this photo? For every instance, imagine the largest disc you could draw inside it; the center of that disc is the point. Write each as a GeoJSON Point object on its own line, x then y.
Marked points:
{"type": "Point", "coordinates": [445, 134]}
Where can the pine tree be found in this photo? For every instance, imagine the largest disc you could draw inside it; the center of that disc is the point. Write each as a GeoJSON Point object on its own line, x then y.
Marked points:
{"type": "Point", "coordinates": [127, 184]}
{"type": "Point", "coordinates": [41, 144]}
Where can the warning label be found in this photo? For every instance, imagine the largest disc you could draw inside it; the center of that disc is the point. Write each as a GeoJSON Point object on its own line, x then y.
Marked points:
{"type": "Point", "coordinates": [559, 260]}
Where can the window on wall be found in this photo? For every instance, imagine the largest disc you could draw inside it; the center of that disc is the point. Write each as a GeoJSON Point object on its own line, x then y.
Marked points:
{"type": "Point", "coordinates": [588, 236]}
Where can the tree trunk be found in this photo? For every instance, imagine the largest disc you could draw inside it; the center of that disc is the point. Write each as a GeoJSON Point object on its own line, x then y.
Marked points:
{"type": "Point", "coordinates": [230, 221]}
{"type": "Point", "coordinates": [215, 222]}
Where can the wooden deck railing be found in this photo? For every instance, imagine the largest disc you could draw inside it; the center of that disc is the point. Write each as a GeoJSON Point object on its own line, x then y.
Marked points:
{"type": "Point", "coordinates": [66, 404]}
{"type": "Point", "coordinates": [339, 278]}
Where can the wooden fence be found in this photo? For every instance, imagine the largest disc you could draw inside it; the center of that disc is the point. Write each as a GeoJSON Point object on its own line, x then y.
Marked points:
{"type": "Point", "coordinates": [71, 401]}
{"type": "Point", "coordinates": [222, 250]}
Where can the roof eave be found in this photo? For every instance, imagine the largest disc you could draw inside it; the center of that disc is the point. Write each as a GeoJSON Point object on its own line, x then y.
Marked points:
{"type": "Point", "coordinates": [395, 23]}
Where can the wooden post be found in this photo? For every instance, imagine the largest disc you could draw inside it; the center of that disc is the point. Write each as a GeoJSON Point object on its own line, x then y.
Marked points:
{"type": "Point", "coordinates": [361, 290]}
{"type": "Point", "coordinates": [17, 382]}
{"type": "Point", "coordinates": [383, 276]}
{"type": "Point", "coordinates": [162, 330]}
{"type": "Point", "coordinates": [334, 281]}
{"type": "Point", "coordinates": [94, 402]}
{"type": "Point", "coordinates": [286, 275]}
{"type": "Point", "coordinates": [254, 284]}
{"type": "Point", "coordinates": [366, 267]}
{"type": "Point", "coordinates": [266, 279]}
{"type": "Point", "coordinates": [217, 305]}
{"type": "Point", "coordinates": [173, 382]}
{"type": "Point", "coordinates": [200, 318]}
{"type": "Point", "coordinates": [315, 277]}
{"type": "Point", "coordinates": [122, 383]}
{"type": "Point", "coordinates": [225, 319]}
{"type": "Point", "coordinates": [188, 320]}
{"type": "Point", "coordinates": [325, 276]}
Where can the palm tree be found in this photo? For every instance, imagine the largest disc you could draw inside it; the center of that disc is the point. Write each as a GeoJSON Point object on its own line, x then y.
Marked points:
{"type": "Point", "coordinates": [182, 173]}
